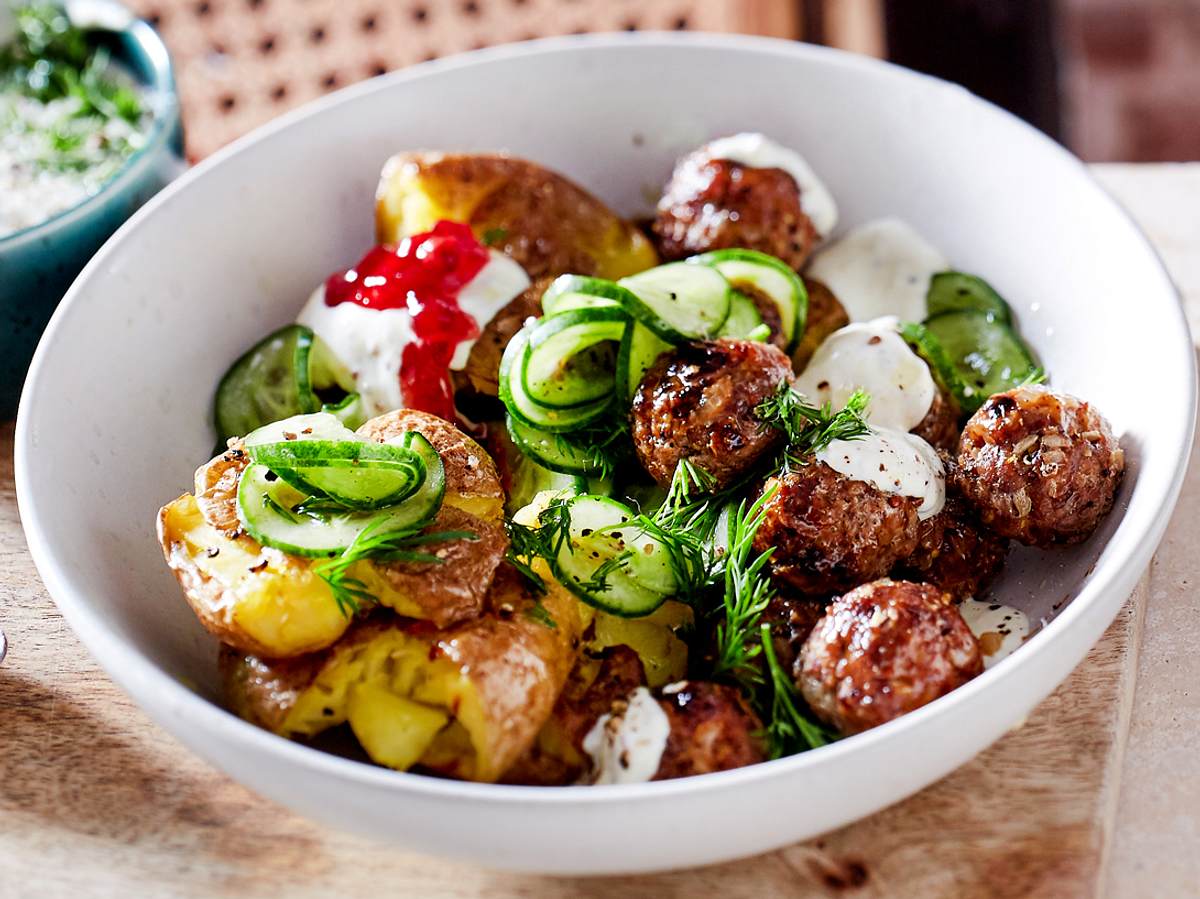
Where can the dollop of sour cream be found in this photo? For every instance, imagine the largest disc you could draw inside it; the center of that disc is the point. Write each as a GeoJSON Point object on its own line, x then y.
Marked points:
{"type": "Point", "coordinates": [1000, 629]}
{"type": "Point", "coordinates": [626, 746]}
{"type": "Point", "coordinates": [371, 341]}
{"type": "Point", "coordinates": [894, 462]}
{"type": "Point", "coordinates": [880, 268]}
{"type": "Point", "coordinates": [757, 151]}
{"type": "Point", "coordinates": [498, 282]}
{"type": "Point", "coordinates": [871, 356]}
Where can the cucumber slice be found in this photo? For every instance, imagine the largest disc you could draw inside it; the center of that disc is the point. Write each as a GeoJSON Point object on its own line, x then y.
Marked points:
{"type": "Point", "coordinates": [600, 530]}
{"type": "Point", "coordinates": [640, 349]}
{"type": "Point", "coordinates": [679, 301]}
{"type": "Point", "coordinates": [570, 361]}
{"type": "Point", "coordinates": [317, 426]}
{"type": "Point", "coordinates": [772, 278]}
{"type": "Point", "coordinates": [274, 513]}
{"type": "Point", "coordinates": [555, 452]}
{"type": "Point", "coordinates": [529, 479]}
{"type": "Point", "coordinates": [959, 292]}
{"type": "Point", "coordinates": [356, 474]}
{"type": "Point", "coordinates": [268, 382]}
{"type": "Point", "coordinates": [277, 378]}
{"type": "Point", "coordinates": [582, 292]}
{"type": "Point", "coordinates": [351, 411]}
{"type": "Point", "coordinates": [976, 355]}
{"type": "Point", "coordinates": [521, 407]}
{"type": "Point", "coordinates": [743, 319]}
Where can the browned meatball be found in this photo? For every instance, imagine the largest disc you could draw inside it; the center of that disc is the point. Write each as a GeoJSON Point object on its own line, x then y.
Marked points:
{"type": "Point", "coordinates": [712, 729]}
{"type": "Point", "coordinates": [939, 428]}
{"type": "Point", "coordinates": [882, 650]}
{"type": "Point", "coordinates": [713, 204]}
{"type": "Point", "coordinates": [792, 620]}
{"type": "Point", "coordinates": [830, 533]}
{"type": "Point", "coordinates": [698, 403]}
{"type": "Point", "coordinates": [955, 553]}
{"type": "Point", "coordinates": [1039, 466]}
{"type": "Point", "coordinates": [825, 315]}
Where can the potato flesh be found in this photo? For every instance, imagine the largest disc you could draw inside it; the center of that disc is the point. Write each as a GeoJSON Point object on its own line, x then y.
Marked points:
{"type": "Point", "coordinates": [273, 599]}
{"type": "Point", "coordinates": [398, 701]}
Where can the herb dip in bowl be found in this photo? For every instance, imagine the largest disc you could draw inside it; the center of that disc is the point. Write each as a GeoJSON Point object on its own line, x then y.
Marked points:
{"type": "Point", "coordinates": [89, 130]}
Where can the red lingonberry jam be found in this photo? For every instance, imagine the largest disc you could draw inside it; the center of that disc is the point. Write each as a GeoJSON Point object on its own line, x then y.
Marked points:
{"type": "Point", "coordinates": [423, 275]}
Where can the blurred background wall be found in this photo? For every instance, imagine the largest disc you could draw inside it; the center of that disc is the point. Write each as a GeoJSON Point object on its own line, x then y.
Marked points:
{"type": "Point", "coordinates": [1113, 79]}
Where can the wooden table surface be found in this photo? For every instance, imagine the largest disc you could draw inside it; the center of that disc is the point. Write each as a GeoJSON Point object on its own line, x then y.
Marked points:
{"type": "Point", "coordinates": [1097, 794]}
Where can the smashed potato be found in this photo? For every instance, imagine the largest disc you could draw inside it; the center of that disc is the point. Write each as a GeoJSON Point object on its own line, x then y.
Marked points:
{"type": "Point", "coordinates": [465, 702]}
{"type": "Point", "coordinates": [269, 603]}
{"type": "Point", "coordinates": [542, 220]}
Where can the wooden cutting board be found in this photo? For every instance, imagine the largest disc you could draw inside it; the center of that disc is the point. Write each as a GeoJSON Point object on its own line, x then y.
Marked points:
{"type": "Point", "coordinates": [96, 800]}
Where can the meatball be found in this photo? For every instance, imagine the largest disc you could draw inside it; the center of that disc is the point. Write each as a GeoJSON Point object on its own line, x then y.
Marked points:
{"type": "Point", "coordinates": [955, 553]}
{"type": "Point", "coordinates": [792, 620]}
{"type": "Point", "coordinates": [829, 532]}
{"type": "Point", "coordinates": [714, 204]}
{"type": "Point", "coordinates": [1038, 466]}
{"type": "Point", "coordinates": [882, 650]}
{"type": "Point", "coordinates": [698, 403]}
{"type": "Point", "coordinates": [939, 427]}
{"type": "Point", "coordinates": [712, 729]}
{"type": "Point", "coordinates": [825, 315]}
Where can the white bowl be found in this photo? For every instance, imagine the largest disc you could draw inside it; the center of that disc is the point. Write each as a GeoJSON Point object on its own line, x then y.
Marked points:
{"type": "Point", "coordinates": [115, 414]}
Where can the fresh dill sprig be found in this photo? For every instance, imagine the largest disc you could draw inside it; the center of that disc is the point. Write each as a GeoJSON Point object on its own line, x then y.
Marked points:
{"type": "Point", "coordinates": [810, 429]}
{"type": "Point", "coordinates": [541, 541]}
{"type": "Point", "coordinates": [746, 592]}
{"type": "Point", "coordinates": [603, 445]}
{"type": "Point", "coordinates": [350, 593]}
{"type": "Point", "coordinates": [788, 729]}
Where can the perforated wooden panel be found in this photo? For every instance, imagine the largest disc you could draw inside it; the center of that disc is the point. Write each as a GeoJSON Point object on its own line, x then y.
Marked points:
{"type": "Point", "coordinates": [242, 62]}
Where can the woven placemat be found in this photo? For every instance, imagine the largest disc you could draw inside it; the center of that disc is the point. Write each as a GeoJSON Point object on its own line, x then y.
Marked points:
{"type": "Point", "coordinates": [242, 62]}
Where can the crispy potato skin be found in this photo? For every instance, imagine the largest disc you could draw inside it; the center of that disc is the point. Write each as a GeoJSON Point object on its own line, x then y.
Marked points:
{"type": "Point", "coordinates": [825, 315]}
{"type": "Point", "coordinates": [514, 664]}
{"type": "Point", "coordinates": [712, 729]}
{"type": "Point", "coordinates": [472, 482]}
{"type": "Point", "coordinates": [548, 224]}
{"type": "Point", "coordinates": [882, 650]}
{"type": "Point", "coordinates": [714, 204]}
{"type": "Point", "coordinates": [455, 589]}
{"type": "Point", "coordinates": [830, 533]}
{"type": "Point", "coordinates": [1038, 466]}
{"type": "Point", "coordinates": [698, 403]}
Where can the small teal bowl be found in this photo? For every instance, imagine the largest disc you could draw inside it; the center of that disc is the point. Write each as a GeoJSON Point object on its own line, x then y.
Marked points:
{"type": "Point", "coordinates": [38, 264]}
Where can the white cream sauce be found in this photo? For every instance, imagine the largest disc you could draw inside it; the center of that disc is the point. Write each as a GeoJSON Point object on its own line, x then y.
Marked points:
{"type": "Point", "coordinates": [626, 747]}
{"type": "Point", "coordinates": [497, 284]}
{"type": "Point", "coordinates": [1000, 629]}
{"type": "Point", "coordinates": [894, 462]}
{"type": "Point", "coordinates": [871, 356]}
{"type": "Point", "coordinates": [371, 342]}
{"type": "Point", "coordinates": [757, 151]}
{"type": "Point", "coordinates": [880, 268]}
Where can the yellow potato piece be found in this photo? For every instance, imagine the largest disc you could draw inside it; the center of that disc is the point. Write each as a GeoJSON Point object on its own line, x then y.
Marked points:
{"type": "Point", "coordinates": [256, 598]}
{"type": "Point", "coordinates": [394, 731]}
{"type": "Point", "coordinates": [544, 221]}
